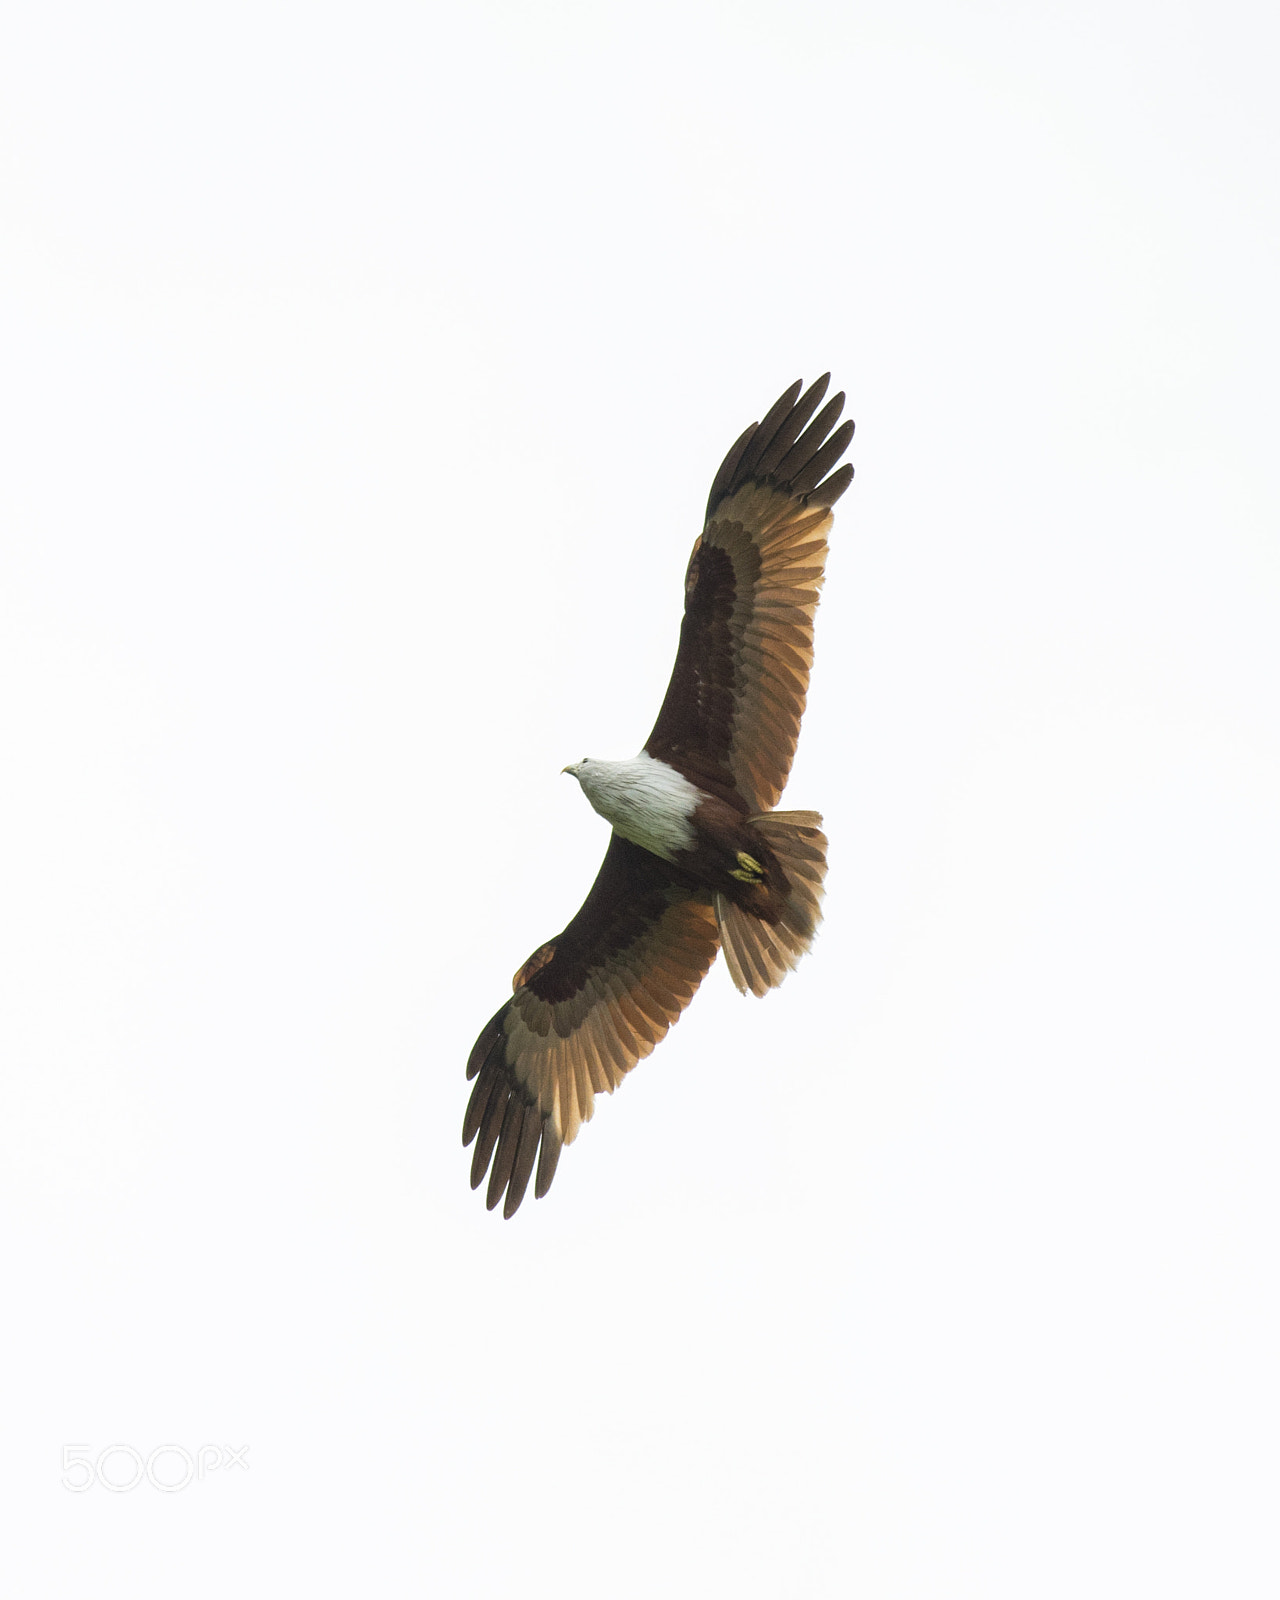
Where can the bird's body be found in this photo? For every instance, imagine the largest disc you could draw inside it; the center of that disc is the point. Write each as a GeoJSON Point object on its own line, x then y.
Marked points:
{"type": "Point", "coordinates": [651, 804]}
{"type": "Point", "coordinates": [699, 858]}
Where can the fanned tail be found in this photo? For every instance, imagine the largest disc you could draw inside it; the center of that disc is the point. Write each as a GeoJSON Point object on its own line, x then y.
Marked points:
{"type": "Point", "coordinates": [759, 953]}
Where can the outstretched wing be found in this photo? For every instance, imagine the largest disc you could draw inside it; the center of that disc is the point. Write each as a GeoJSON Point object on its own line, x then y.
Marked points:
{"type": "Point", "coordinates": [587, 1006]}
{"type": "Point", "coordinates": [732, 712]}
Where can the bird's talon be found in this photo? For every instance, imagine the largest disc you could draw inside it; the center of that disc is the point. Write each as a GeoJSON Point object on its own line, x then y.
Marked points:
{"type": "Point", "coordinates": [748, 869]}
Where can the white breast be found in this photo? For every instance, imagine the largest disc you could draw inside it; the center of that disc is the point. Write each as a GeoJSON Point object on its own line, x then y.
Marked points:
{"type": "Point", "coordinates": [647, 801]}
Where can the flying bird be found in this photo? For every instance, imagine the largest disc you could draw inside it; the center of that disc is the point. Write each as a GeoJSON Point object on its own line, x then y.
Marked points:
{"type": "Point", "coordinates": [699, 859]}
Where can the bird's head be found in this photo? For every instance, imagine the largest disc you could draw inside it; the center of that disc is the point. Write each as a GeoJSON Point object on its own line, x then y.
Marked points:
{"type": "Point", "coordinates": [575, 771]}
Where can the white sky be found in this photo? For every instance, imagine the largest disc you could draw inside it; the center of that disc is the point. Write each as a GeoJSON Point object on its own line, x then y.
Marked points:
{"type": "Point", "coordinates": [364, 370]}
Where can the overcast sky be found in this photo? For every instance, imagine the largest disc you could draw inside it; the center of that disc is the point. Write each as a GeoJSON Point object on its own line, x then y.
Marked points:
{"type": "Point", "coordinates": [363, 373]}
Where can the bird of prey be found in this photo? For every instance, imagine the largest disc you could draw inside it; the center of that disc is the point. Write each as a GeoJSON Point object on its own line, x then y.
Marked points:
{"type": "Point", "coordinates": [699, 858]}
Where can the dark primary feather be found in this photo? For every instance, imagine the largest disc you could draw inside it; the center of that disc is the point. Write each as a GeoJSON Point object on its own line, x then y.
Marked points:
{"type": "Point", "coordinates": [740, 465]}
{"type": "Point", "coordinates": [765, 431]}
{"type": "Point", "coordinates": [790, 426]}
{"type": "Point", "coordinates": [729, 466]}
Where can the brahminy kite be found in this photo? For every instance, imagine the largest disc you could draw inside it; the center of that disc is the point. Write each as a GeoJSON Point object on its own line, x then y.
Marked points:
{"type": "Point", "coordinates": [698, 859]}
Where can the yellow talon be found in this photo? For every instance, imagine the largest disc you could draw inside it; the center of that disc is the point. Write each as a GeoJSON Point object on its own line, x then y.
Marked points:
{"type": "Point", "coordinates": [749, 869]}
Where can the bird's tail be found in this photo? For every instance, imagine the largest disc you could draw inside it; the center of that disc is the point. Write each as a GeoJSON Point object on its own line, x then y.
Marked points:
{"type": "Point", "coordinates": [760, 953]}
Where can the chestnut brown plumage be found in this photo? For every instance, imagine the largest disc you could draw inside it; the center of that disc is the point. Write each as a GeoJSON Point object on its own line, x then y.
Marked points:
{"type": "Point", "coordinates": [592, 1002]}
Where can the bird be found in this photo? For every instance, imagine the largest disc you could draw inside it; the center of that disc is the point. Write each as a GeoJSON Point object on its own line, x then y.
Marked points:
{"type": "Point", "coordinates": [699, 858]}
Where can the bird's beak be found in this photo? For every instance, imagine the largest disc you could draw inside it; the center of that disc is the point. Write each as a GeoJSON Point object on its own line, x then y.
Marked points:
{"type": "Point", "coordinates": [563, 770]}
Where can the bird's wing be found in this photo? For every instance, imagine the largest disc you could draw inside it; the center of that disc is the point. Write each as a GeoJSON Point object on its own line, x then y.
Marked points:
{"type": "Point", "coordinates": [587, 1006]}
{"type": "Point", "coordinates": [732, 712]}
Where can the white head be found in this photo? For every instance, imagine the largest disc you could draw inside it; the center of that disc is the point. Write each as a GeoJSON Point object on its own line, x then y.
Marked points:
{"type": "Point", "coordinates": [591, 775]}
{"type": "Point", "coordinates": [647, 801]}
